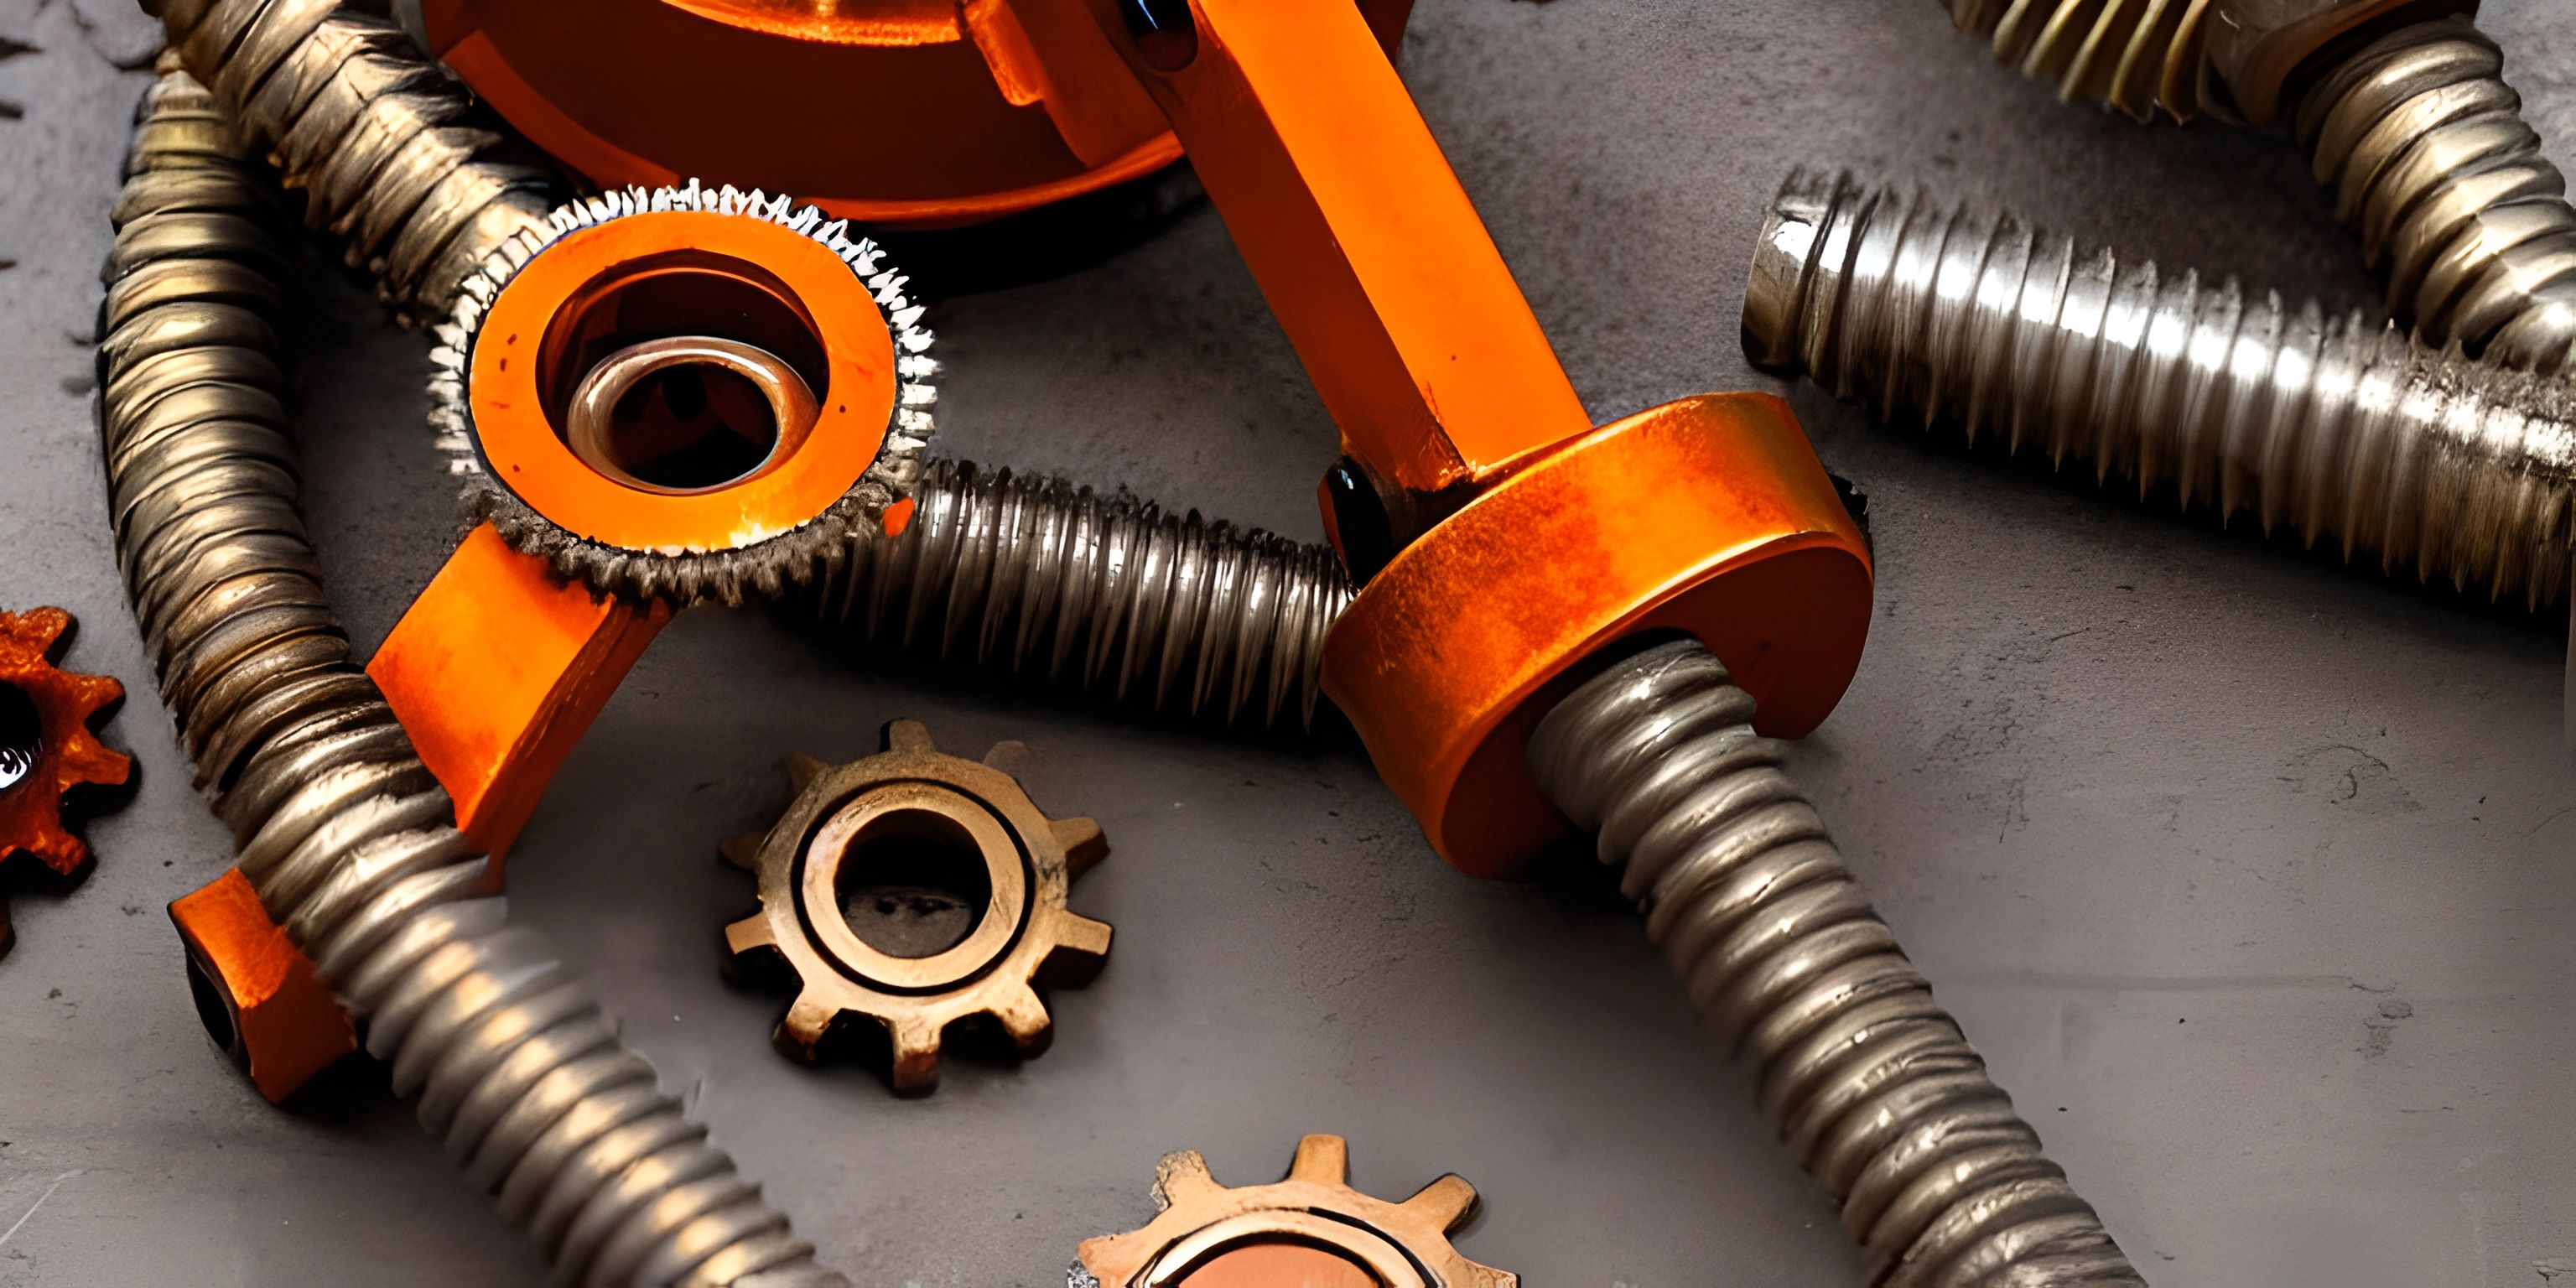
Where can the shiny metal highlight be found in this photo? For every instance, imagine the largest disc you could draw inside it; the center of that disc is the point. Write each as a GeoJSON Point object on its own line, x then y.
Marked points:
{"type": "Point", "coordinates": [1871, 1084]}
{"type": "Point", "coordinates": [2429, 159]}
{"type": "Point", "coordinates": [1091, 588]}
{"type": "Point", "coordinates": [349, 842]}
{"type": "Point", "coordinates": [2135, 55]}
{"type": "Point", "coordinates": [2340, 429]}
{"type": "Point", "coordinates": [385, 146]}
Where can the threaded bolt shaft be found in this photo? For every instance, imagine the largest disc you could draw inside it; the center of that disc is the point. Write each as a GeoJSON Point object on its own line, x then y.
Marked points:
{"type": "Point", "coordinates": [2341, 429]}
{"type": "Point", "coordinates": [2431, 162]}
{"type": "Point", "coordinates": [1168, 607]}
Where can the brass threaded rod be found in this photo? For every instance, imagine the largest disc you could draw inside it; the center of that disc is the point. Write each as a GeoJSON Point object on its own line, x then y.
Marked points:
{"type": "Point", "coordinates": [2430, 161]}
{"type": "Point", "coordinates": [2340, 429]}
{"type": "Point", "coordinates": [386, 147]}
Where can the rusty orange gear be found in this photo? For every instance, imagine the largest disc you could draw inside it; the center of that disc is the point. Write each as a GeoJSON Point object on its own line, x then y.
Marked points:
{"type": "Point", "coordinates": [911, 794]}
{"type": "Point", "coordinates": [1310, 1228]}
{"type": "Point", "coordinates": [46, 747]}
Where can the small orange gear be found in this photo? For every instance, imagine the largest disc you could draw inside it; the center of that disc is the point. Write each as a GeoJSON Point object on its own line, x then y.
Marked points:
{"type": "Point", "coordinates": [1310, 1228]}
{"type": "Point", "coordinates": [850, 902]}
{"type": "Point", "coordinates": [46, 747]}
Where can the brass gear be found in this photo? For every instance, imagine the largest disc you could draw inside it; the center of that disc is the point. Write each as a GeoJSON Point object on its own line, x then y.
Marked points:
{"type": "Point", "coordinates": [1396, 1245]}
{"type": "Point", "coordinates": [46, 747]}
{"type": "Point", "coordinates": [911, 794]}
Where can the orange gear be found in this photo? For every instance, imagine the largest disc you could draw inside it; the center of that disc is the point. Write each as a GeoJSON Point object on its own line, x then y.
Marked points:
{"type": "Point", "coordinates": [46, 747]}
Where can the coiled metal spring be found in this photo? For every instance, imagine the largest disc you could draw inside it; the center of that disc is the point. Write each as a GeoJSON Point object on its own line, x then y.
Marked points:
{"type": "Point", "coordinates": [2336, 428]}
{"type": "Point", "coordinates": [382, 142]}
{"type": "Point", "coordinates": [2431, 162]}
{"type": "Point", "coordinates": [345, 836]}
{"type": "Point", "coordinates": [1871, 1084]}
{"type": "Point", "coordinates": [1092, 587]}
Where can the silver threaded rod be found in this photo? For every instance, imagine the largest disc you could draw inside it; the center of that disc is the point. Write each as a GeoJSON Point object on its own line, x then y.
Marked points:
{"type": "Point", "coordinates": [2429, 159]}
{"type": "Point", "coordinates": [1171, 608]}
{"type": "Point", "coordinates": [2340, 429]}
{"type": "Point", "coordinates": [379, 138]}
{"type": "Point", "coordinates": [2416, 133]}
{"type": "Point", "coordinates": [348, 841]}
{"type": "Point", "coordinates": [1871, 1084]}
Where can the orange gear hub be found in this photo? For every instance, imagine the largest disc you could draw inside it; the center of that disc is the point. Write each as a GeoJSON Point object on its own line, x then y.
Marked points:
{"type": "Point", "coordinates": [46, 747]}
{"type": "Point", "coordinates": [903, 113]}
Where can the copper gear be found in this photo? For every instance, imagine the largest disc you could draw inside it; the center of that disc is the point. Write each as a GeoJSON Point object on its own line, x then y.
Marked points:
{"type": "Point", "coordinates": [1395, 1245]}
{"type": "Point", "coordinates": [46, 747]}
{"type": "Point", "coordinates": [1021, 934]}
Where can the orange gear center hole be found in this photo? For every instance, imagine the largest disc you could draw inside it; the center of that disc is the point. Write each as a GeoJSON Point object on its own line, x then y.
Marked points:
{"type": "Point", "coordinates": [913, 883]}
{"type": "Point", "coordinates": [22, 737]}
{"type": "Point", "coordinates": [682, 381]}
{"type": "Point", "coordinates": [1279, 1265]}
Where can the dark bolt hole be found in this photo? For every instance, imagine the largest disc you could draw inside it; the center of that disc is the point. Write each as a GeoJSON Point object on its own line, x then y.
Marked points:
{"type": "Point", "coordinates": [913, 884]}
{"type": "Point", "coordinates": [692, 426]}
{"type": "Point", "coordinates": [1362, 530]}
{"type": "Point", "coordinates": [22, 736]}
{"type": "Point", "coordinates": [211, 1008]}
{"type": "Point", "coordinates": [1166, 34]}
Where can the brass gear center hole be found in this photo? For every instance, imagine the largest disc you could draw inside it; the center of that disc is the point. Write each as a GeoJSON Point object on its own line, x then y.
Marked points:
{"type": "Point", "coordinates": [22, 736]}
{"type": "Point", "coordinates": [912, 883]}
{"type": "Point", "coordinates": [1279, 1265]}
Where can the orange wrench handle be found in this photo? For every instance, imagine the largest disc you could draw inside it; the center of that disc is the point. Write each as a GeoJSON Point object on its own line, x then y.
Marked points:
{"type": "Point", "coordinates": [1410, 324]}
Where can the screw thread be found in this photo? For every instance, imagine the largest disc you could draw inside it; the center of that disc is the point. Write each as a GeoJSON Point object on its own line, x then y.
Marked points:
{"type": "Point", "coordinates": [2135, 57]}
{"type": "Point", "coordinates": [2338, 428]}
{"type": "Point", "coordinates": [2432, 164]}
{"type": "Point", "coordinates": [1170, 606]}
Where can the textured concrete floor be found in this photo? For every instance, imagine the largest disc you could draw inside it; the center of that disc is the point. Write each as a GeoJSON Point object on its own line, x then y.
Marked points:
{"type": "Point", "coordinates": [2251, 874]}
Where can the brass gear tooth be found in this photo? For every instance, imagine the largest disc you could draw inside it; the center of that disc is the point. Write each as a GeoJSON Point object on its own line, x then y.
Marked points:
{"type": "Point", "coordinates": [1322, 1159]}
{"type": "Point", "coordinates": [750, 935]}
{"type": "Point", "coordinates": [1081, 936]}
{"type": "Point", "coordinates": [1085, 845]}
{"type": "Point", "coordinates": [742, 851]}
{"type": "Point", "coordinates": [805, 1023]}
{"type": "Point", "coordinates": [916, 1053]}
{"type": "Point", "coordinates": [1024, 1016]}
{"type": "Point", "coordinates": [802, 769]}
{"type": "Point", "coordinates": [1182, 1176]}
{"type": "Point", "coordinates": [913, 789]}
{"type": "Point", "coordinates": [911, 736]}
{"type": "Point", "coordinates": [1445, 1203]}
{"type": "Point", "coordinates": [1007, 755]}
{"type": "Point", "coordinates": [1314, 1207]}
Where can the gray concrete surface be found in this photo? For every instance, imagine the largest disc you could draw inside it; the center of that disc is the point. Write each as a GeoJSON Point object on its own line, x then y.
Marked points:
{"type": "Point", "coordinates": [2250, 873]}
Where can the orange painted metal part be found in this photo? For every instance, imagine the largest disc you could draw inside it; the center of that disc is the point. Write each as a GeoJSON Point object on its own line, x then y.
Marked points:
{"type": "Point", "coordinates": [1708, 516]}
{"type": "Point", "coordinates": [496, 671]}
{"type": "Point", "coordinates": [286, 1026]}
{"type": "Point", "coordinates": [1365, 245]}
{"type": "Point", "coordinates": [530, 351]}
{"type": "Point", "coordinates": [903, 113]}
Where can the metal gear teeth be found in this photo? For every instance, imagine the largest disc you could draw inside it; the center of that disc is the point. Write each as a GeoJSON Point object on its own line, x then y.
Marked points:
{"type": "Point", "coordinates": [56, 752]}
{"type": "Point", "coordinates": [1314, 1205]}
{"type": "Point", "coordinates": [1023, 936]}
{"type": "Point", "coordinates": [766, 569]}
